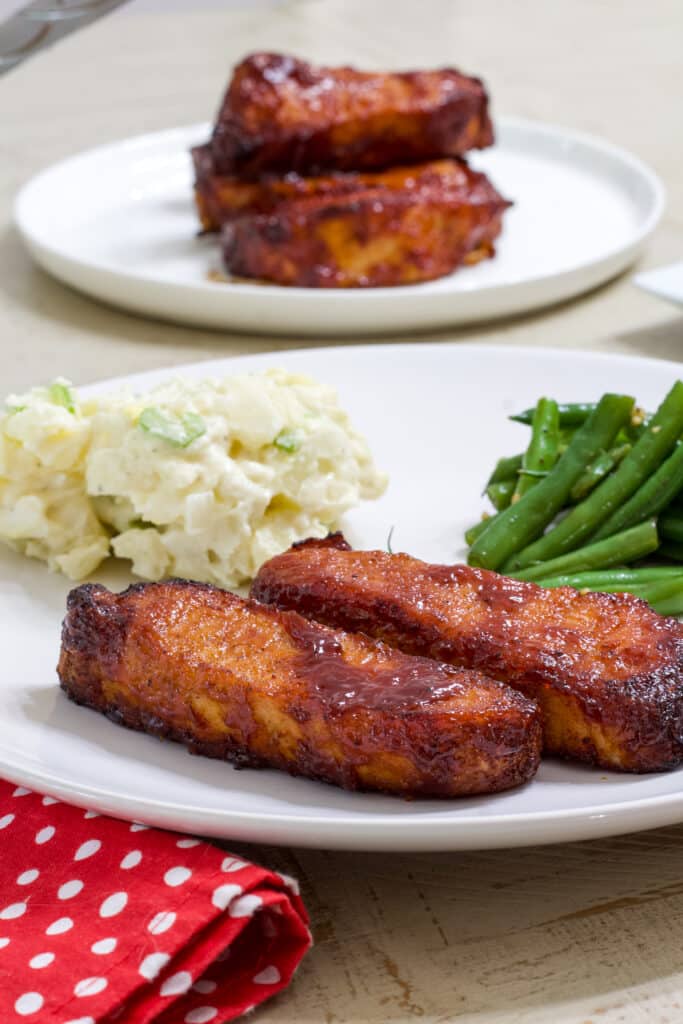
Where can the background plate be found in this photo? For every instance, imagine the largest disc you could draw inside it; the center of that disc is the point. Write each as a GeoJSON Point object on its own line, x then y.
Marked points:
{"type": "Point", "coordinates": [435, 419]}
{"type": "Point", "coordinates": [118, 223]}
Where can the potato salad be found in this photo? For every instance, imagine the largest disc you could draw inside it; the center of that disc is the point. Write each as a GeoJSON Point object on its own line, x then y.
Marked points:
{"type": "Point", "coordinates": [204, 479]}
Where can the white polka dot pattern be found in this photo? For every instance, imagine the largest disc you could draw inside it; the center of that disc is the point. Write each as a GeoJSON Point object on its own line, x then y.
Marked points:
{"type": "Point", "coordinates": [41, 960]}
{"type": "Point", "coordinates": [153, 964]}
{"type": "Point", "coordinates": [268, 976]}
{"type": "Point", "coordinates": [204, 986]}
{"type": "Point", "coordinates": [244, 906]}
{"type": "Point", "coordinates": [145, 913]}
{"type": "Point", "coordinates": [63, 924]}
{"type": "Point", "coordinates": [177, 876]}
{"type": "Point", "coordinates": [88, 849]}
{"type": "Point", "coordinates": [69, 889]}
{"type": "Point", "coordinates": [177, 985]}
{"type": "Point", "coordinates": [232, 864]}
{"type": "Point", "coordinates": [28, 1004]}
{"type": "Point", "coordinates": [26, 877]}
{"type": "Point", "coordinates": [12, 911]}
{"type": "Point", "coordinates": [201, 1015]}
{"type": "Point", "coordinates": [161, 922]}
{"type": "Point", "coordinates": [90, 987]}
{"type": "Point", "coordinates": [113, 904]}
{"type": "Point", "coordinates": [103, 946]}
{"type": "Point", "coordinates": [223, 895]}
{"type": "Point", "coordinates": [131, 860]}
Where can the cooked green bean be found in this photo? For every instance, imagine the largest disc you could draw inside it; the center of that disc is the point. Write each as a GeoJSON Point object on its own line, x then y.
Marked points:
{"type": "Point", "coordinates": [671, 550]}
{"type": "Point", "coordinates": [524, 521]}
{"type": "Point", "coordinates": [585, 519]}
{"type": "Point", "coordinates": [506, 468]}
{"type": "Point", "coordinates": [477, 529]}
{"type": "Point", "coordinates": [543, 450]}
{"type": "Point", "coordinates": [665, 596]}
{"type": "Point", "coordinates": [655, 494]}
{"type": "Point", "coordinates": [635, 543]}
{"type": "Point", "coordinates": [614, 579]}
{"type": "Point", "coordinates": [572, 415]}
{"type": "Point", "coordinates": [671, 527]}
{"type": "Point", "coordinates": [597, 471]}
{"type": "Point", "coordinates": [500, 494]}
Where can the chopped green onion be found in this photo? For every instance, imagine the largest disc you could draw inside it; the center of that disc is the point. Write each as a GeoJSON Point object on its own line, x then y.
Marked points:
{"type": "Point", "coordinates": [287, 441]}
{"type": "Point", "coordinates": [178, 431]}
{"type": "Point", "coordinates": [61, 394]}
{"type": "Point", "coordinates": [13, 409]}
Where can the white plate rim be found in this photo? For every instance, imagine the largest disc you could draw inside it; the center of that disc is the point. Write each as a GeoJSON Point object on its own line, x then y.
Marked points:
{"type": "Point", "coordinates": [612, 261]}
{"type": "Point", "coordinates": [535, 827]}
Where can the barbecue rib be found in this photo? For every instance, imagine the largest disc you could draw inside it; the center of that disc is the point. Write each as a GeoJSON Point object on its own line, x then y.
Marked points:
{"type": "Point", "coordinates": [282, 114]}
{"type": "Point", "coordinates": [236, 680]}
{"type": "Point", "coordinates": [371, 236]}
{"type": "Point", "coordinates": [607, 671]}
{"type": "Point", "coordinates": [222, 198]}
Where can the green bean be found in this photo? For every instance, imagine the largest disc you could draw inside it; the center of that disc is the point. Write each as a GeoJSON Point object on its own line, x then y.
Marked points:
{"type": "Point", "coordinates": [573, 415]}
{"type": "Point", "coordinates": [665, 596]}
{"type": "Point", "coordinates": [576, 413]}
{"type": "Point", "coordinates": [584, 519]}
{"type": "Point", "coordinates": [500, 494]}
{"type": "Point", "coordinates": [597, 471]}
{"type": "Point", "coordinates": [671, 550]}
{"type": "Point", "coordinates": [655, 494]}
{"type": "Point", "coordinates": [506, 468]}
{"type": "Point", "coordinates": [635, 543]}
{"type": "Point", "coordinates": [671, 527]}
{"type": "Point", "coordinates": [614, 579]}
{"type": "Point", "coordinates": [477, 529]}
{"type": "Point", "coordinates": [543, 450]}
{"type": "Point", "coordinates": [524, 521]}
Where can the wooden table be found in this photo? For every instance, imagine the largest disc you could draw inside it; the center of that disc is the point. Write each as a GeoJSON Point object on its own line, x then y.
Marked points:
{"type": "Point", "coordinates": [589, 933]}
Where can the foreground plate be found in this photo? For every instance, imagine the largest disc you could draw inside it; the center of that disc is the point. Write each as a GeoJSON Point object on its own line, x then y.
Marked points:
{"type": "Point", "coordinates": [118, 223]}
{"type": "Point", "coordinates": [435, 419]}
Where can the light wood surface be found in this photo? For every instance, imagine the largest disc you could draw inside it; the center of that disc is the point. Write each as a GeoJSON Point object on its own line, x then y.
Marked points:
{"type": "Point", "coordinates": [589, 933]}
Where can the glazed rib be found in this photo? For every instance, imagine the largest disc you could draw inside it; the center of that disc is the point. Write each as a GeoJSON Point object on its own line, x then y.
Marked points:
{"type": "Point", "coordinates": [387, 234]}
{"type": "Point", "coordinates": [282, 114]}
{"type": "Point", "coordinates": [235, 680]}
{"type": "Point", "coordinates": [223, 198]}
{"type": "Point", "coordinates": [606, 671]}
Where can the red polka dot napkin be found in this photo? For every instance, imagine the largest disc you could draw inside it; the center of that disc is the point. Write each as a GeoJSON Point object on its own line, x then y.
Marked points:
{"type": "Point", "coordinates": [103, 921]}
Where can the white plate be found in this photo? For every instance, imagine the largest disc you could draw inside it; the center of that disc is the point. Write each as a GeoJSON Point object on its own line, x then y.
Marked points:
{"type": "Point", "coordinates": [435, 417]}
{"type": "Point", "coordinates": [118, 223]}
{"type": "Point", "coordinates": [666, 282]}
